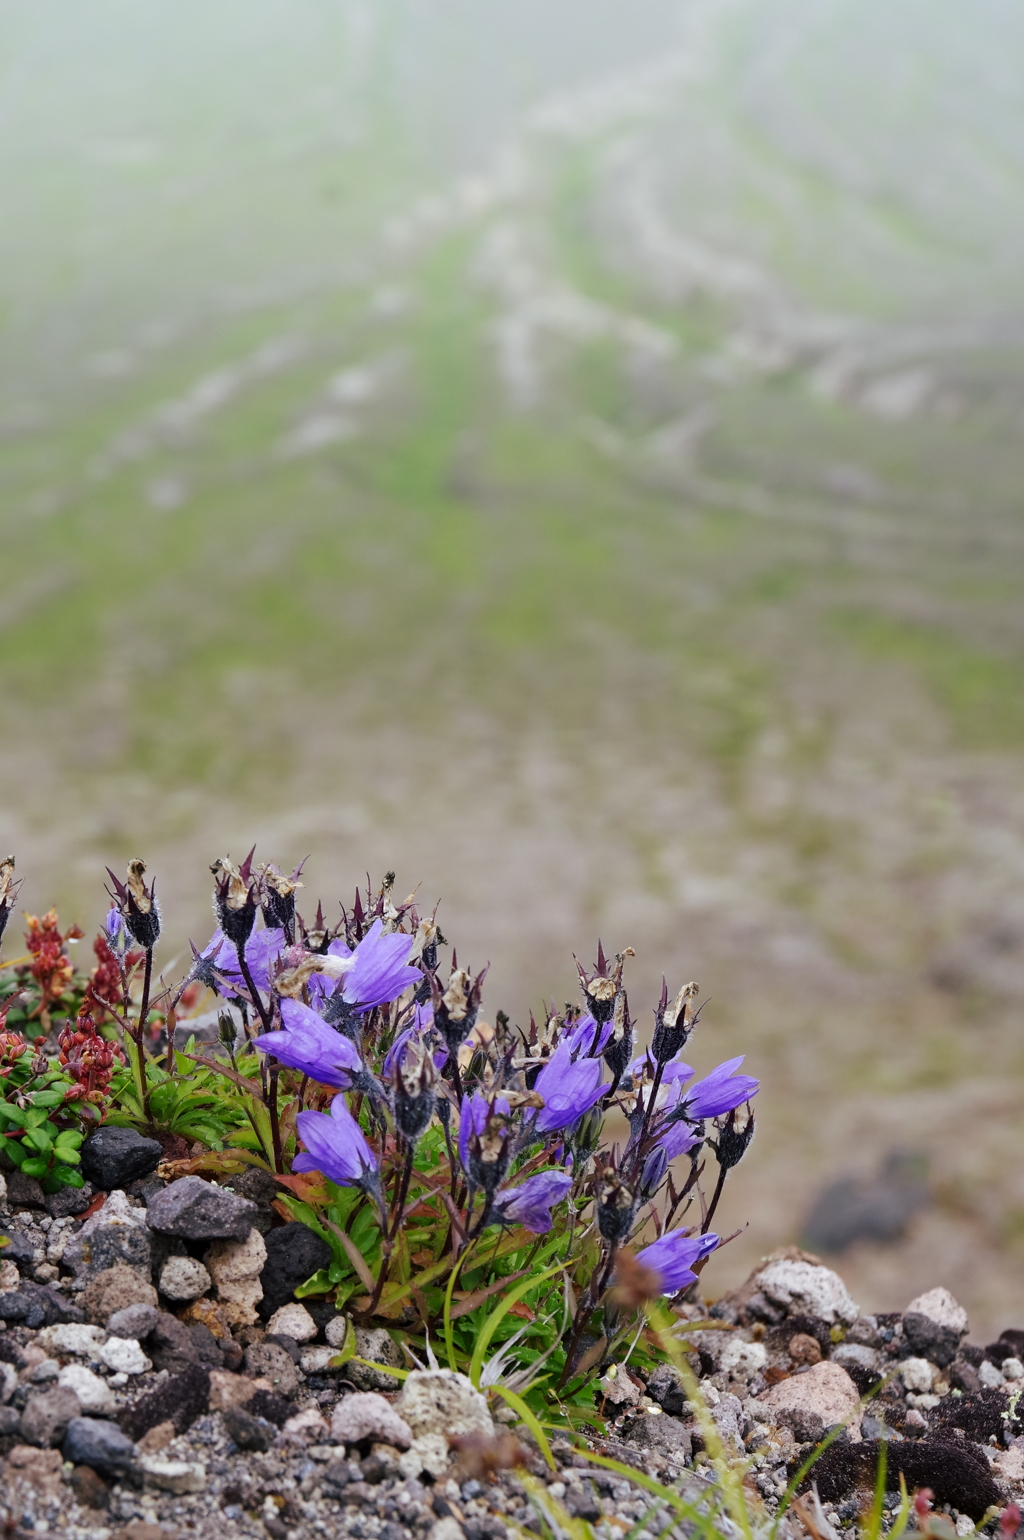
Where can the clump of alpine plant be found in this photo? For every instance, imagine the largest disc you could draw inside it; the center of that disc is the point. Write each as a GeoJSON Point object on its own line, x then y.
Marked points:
{"type": "Point", "coordinates": [429, 1146]}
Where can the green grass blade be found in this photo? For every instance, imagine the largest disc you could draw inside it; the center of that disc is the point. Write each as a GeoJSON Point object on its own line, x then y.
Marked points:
{"type": "Point", "coordinates": [449, 1338]}
{"type": "Point", "coordinates": [497, 1315]}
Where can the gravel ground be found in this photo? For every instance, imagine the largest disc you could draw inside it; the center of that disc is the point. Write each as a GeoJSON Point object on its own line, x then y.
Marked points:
{"type": "Point", "coordinates": [127, 1412]}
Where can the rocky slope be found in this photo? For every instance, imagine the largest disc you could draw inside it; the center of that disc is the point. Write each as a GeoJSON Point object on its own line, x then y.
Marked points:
{"type": "Point", "coordinates": [158, 1377]}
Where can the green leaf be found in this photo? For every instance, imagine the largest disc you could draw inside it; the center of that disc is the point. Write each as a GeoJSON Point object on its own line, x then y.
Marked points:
{"type": "Point", "coordinates": [320, 1283]}
{"type": "Point", "coordinates": [66, 1176]}
{"type": "Point", "coordinates": [48, 1098]}
{"type": "Point", "coordinates": [38, 1165]}
{"type": "Point", "coordinates": [12, 1114]}
{"type": "Point", "coordinates": [39, 1139]}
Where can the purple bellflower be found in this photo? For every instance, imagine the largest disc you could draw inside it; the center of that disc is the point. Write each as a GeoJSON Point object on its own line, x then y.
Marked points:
{"type": "Point", "coordinates": [530, 1203]}
{"type": "Point", "coordinates": [336, 1146]}
{"type": "Point", "coordinates": [720, 1092]}
{"type": "Point", "coordinates": [473, 1115]}
{"type": "Point", "coordinates": [569, 1089]}
{"type": "Point", "coordinates": [422, 1025]}
{"type": "Point", "coordinates": [380, 970]}
{"type": "Point", "coordinates": [308, 1044]}
{"type": "Point", "coordinates": [588, 1038]}
{"type": "Point", "coordinates": [673, 1256]}
{"type": "Point", "coordinates": [261, 951]}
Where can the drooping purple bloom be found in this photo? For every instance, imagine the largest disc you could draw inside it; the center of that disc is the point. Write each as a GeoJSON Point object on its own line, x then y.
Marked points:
{"type": "Point", "coordinates": [673, 1256]}
{"type": "Point", "coordinates": [645, 1067]}
{"type": "Point", "coordinates": [422, 1025]}
{"type": "Point", "coordinates": [588, 1038]}
{"type": "Point", "coordinates": [473, 1115]}
{"type": "Point", "coordinates": [308, 1044]}
{"type": "Point", "coordinates": [380, 970]}
{"type": "Point", "coordinates": [261, 951]}
{"type": "Point", "coordinates": [530, 1203]}
{"type": "Point", "coordinates": [678, 1139]}
{"type": "Point", "coordinates": [569, 1089]}
{"type": "Point", "coordinates": [720, 1092]}
{"type": "Point", "coordinates": [114, 930]}
{"type": "Point", "coordinates": [336, 1146]}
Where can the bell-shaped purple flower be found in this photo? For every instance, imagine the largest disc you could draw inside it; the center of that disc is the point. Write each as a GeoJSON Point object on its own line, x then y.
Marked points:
{"type": "Point", "coordinates": [422, 1025]}
{"type": "Point", "coordinates": [530, 1203]}
{"type": "Point", "coordinates": [720, 1092]}
{"type": "Point", "coordinates": [588, 1038]}
{"type": "Point", "coordinates": [473, 1115]}
{"type": "Point", "coordinates": [673, 1256]}
{"type": "Point", "coordinates": [569, 1089]}
{"type": "Point", "coordinates": [261, 952]}
{"type": "Point", "coordinates": [335, 1145]}
{"type": "Point", "coordinates": [380, 969]}
{"type": "Point", "coordinates": [309, 1045]}
{"type": "Point", "coordinates": [678, 1139]}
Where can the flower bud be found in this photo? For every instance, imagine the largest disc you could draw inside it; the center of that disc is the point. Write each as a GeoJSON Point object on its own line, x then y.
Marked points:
{"type": "Point", "coordinates": [414, 1091]}
{"type": "Point", "coordinates": [277, 898]}
{"type": "Point", "coordinates": [234, 898]}
{"type": "Point", "coordinates": [615, 1204]}
{"type": "Point", "coordinates": [673, 1023]}
{"type": "Point", "coordinates": [8, 891]}
{"type": "Point", "coordinates": [137, 905]}
{"type": "Point", "coordinates": [489, 1152]}
{"type": "Point", "coordinates": [733, 1142]}
{"type": "Point", "coordinates": [226, 1028]}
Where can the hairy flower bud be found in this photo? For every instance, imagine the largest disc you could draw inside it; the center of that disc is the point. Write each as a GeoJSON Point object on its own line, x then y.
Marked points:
{"type": "Point", "coordinates": [489, 1149]}
{"type": "Point", "coordinates": [457, 1006]}
{"type": "Point", "coordinates": [733, 1142]}
{"type": "Point", "coordinates": [8, 891]}
{"type": "Point", "coordinates": [673, 1023]}
{"type": "Point", "coordinates": [414, 1090]}
{"type": "Point", "coordinates": [619, 1048]}
{"type": "Point", "coordinates": [234, 898]}
{"type": "Point", "coordinates": [277, 898]}
{"type": "Point", "coordinates": [615, 1204]}
{"type": "Point", "coordinates": [138, 905]}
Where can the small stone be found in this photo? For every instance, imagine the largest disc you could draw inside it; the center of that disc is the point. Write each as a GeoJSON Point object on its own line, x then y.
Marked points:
{"type": "Point", "coordinates": [320, 1360]}
{"type": "Point", "coordinates": [180, 1399]}
{"type": "Point", "coordinates": [73, 1337]}
{"type": "Point", "coordinates": [115, 1233]}
{"type": "Point", "coordinates": [90, 1490]}
{"type": "Point", "coordinates": [744, 1360]}
{"type": "Point", "coordinates": [825, 1389]}
{"type": "Point", "coordinates": [207, 1312]}
{"type": "Point", "coordinates": [248, 1432]}
{"type": "Point", "coordinates": [116, 1288]}
{"type": "Point", "coordinates": [269, 1359]}
{"type": "Point", "coordinates": [366, 1415]}
{"type": "Point", "coordinates": [133, 1321]}
{"type": "Point", "coordinates": [292, 1321]}
{"type": "Point", "coordinates": [69, 1202]}
{"type": "Point", "coordinates": [93, 1393]}
{"type": "Point", "coordinates": [113, 1157]}
{"type": "Point", "coordinates": [1013, 1369]}
{"type": "Point", "coordinates": [429, 1453]}
{"type": "Point", "coordinates": [990, 1377]}
{"type": "Point", "coordinates": [807, 1427]}
{"type": "Point", "coordinates": [807, 1289]}
{"type": "Point", "coordinates": [178, 1476]}
{"type": "Point", "coordinates": [442, 1401]}
{"type": "Point", "coordinates": [37, 1306]}
{"type": "Point", "coordinates": [294, 1253]}
{"type": "Point", "coordinates": [171, 1344]}
{"type": "Point", "coordinates": [124, 1356]}
{"type": "Point", "coordinates": [616, 1386]}
{"type": "Point", "coordinates": [446, 1529]}
{"type": "Point", "coordinates": [664, 1435]}
{"type": "Point", "coordinates": [666, 1387]}
{"type": "Point", "coordinates": [235, 1267]}
{"type": "Point", "coordinates": [309, 1424]}
{"type": "Point", "coordinates": [9, 1276]}
{"type": "Point", "coordinates": [47, 1370]}
{"type": "Point", "coordinates": [227, 1390]}
{"type": "Point", "coordinates": [377, 1346]}
{"type": "Point", "coordinates": [184, 1278]}
{"type": "Point", "coordinates": [336, 1331]}
{"type": "Point", "coordinates": [198, 1211]}
{"type": "Point", "coordinates": [40, 1468]}
{"type": "Point", "coordinates": [917, 1375]}
{"type": "Point", "coordinates": [157, 1438]}
{"type": "Point", "coordinates": [804, 1349]}
{"type": "Point", "coordinates": [47, 1414]}
{"type": "Point", "coordinates": [24, 1191]}
{"type": "Point", "coordinates": [940, 1307]}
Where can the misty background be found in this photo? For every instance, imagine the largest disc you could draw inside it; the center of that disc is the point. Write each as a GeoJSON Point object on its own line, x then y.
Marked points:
{"type": "Point", "coordinates": [568, 453]}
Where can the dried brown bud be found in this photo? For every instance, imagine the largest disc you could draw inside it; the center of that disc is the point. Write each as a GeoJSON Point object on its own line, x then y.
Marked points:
{"type": "Point", "coordinates": [634, 1284]}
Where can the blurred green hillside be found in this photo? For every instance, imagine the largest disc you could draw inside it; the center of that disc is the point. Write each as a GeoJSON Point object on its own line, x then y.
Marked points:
{"type": "Point", "coordinates": [571, 458]}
